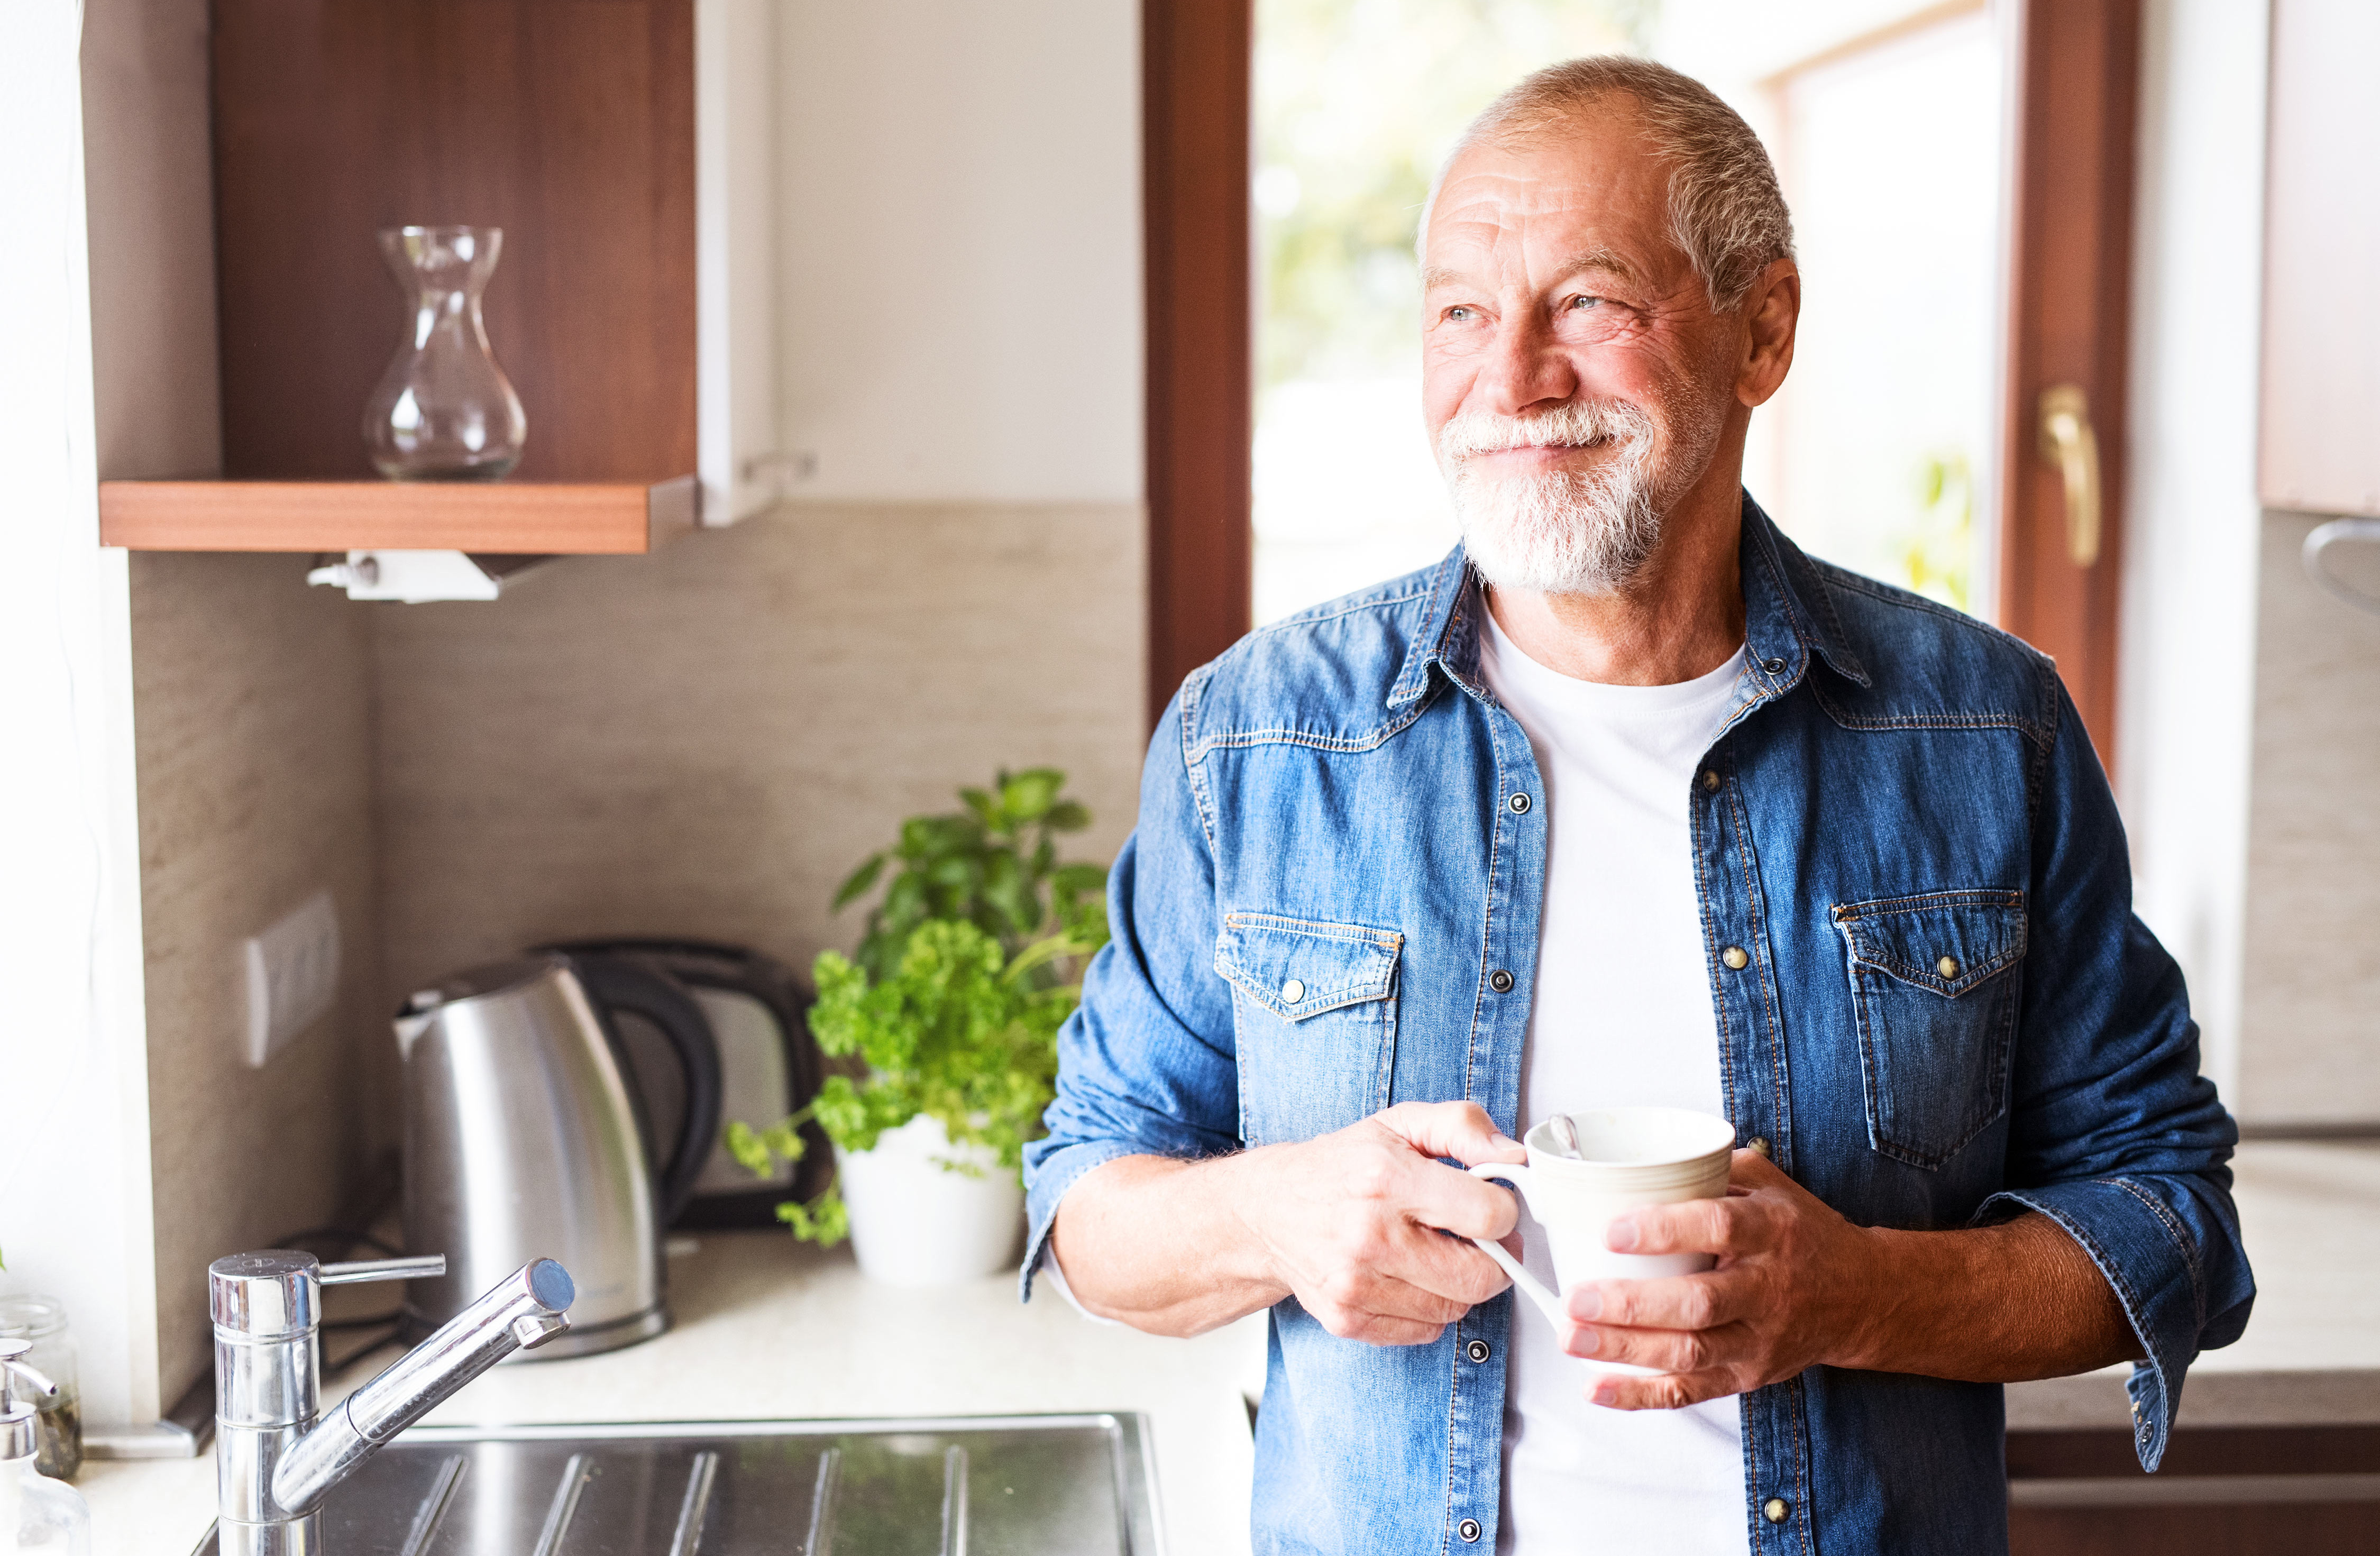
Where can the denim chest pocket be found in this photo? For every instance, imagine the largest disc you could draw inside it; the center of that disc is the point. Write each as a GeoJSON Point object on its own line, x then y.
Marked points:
{"type": "Point", "coordinates": [1935, 983]}
{"type": "Point", "coordinates": [1315, 1014]}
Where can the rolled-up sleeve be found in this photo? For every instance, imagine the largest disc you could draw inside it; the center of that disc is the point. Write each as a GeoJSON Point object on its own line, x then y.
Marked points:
{"type": "Point", "coordinates": [1146, 1065]}
{"type": "Point", "coordinates": [2115, 1134]}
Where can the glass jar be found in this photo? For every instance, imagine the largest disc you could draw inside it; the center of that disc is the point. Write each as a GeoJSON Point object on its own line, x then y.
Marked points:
{"type": "Point", "coordinates": [444, 410]}
{"type": "Point", "coordinates": [42, 1321]}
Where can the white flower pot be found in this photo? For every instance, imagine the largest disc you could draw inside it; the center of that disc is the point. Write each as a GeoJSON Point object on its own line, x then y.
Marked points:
{"type": "Point", "coordinates": [914, 1222]}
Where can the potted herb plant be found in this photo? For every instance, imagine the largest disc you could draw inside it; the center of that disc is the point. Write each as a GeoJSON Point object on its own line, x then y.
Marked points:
{"type": "Point", "coordinates": [950, 1012]}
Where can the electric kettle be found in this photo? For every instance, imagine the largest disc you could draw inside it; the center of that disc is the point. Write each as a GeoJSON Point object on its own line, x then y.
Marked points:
{"type": "Point", "coordinates": [769, 1066]}
{"type": "Point", "coordinates": [524, 1139]}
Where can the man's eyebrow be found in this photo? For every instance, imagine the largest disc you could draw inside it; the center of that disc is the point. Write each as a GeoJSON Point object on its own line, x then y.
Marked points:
{"type": "Point", "coordinates": [1605, 260]}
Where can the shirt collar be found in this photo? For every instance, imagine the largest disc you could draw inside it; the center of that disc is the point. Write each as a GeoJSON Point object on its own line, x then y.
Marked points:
{"type": "Point", "coordinates": [1788, 616]}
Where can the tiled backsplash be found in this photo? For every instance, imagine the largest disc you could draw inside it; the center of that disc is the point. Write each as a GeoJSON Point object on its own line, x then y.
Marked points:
{"type": "Point", "coordinates": [701, 742]}
{"type": "Point", "coordinates": [2310, 1026]}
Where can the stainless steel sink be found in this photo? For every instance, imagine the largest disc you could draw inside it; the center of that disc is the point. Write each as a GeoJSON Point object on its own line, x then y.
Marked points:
{"type": "Point", "coordinates": [959, 1486]}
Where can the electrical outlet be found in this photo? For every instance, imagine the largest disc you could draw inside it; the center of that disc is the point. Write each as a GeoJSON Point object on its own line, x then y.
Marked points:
{"type": "Point", "coordinates": [293, 975]}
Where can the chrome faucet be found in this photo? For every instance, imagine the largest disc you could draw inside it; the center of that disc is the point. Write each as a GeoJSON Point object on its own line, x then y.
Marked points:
{"type": "Point", "coordinates": [274, 1461]}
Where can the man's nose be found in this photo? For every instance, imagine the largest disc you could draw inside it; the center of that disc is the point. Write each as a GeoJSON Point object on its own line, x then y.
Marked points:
{"type": "Point", "coordinates": [1524, 370]}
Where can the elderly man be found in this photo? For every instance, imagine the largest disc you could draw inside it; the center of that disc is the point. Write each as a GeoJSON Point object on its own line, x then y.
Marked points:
{"type": "Point", "coordinates": [1628, 801]}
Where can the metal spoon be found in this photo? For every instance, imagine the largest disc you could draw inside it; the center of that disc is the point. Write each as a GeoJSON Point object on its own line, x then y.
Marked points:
{"type": "Point", "coordinates": [1565, 1135]}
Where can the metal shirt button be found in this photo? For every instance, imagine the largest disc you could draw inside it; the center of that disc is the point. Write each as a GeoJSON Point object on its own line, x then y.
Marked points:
{"type": "Point", "coordinates": [1736, 958]}
{"type": "Point", "coordinates": [1757, 1143]}
{"type": "Point", "coordinates": [1774, 667]}
{"type": "Point", "coordinates": [1710, 780]}
{"type": "Point", "coordinates": [1468, 1529]}
{"type": "Point", "coordinates": [1478, 1350]}
{"type": "Point", "coordinates": [1948, 967]}
{"type": "Point", "coordinates": [1500, 981]}
{"type": "Point", "coordinates": [1776, 1510]}
{"type": "Point", "coordinates": [1520, 804]}
{"type": "Point", "coordinates": [1291, 991]}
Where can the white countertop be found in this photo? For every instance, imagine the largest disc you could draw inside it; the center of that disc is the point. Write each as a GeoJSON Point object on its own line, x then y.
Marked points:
{"type": "Point", "coordinates": [770, 1329]}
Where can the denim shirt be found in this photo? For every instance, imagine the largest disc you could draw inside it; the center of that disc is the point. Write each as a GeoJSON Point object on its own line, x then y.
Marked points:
{"type": "Point", "coordinates": [1947, 1014]}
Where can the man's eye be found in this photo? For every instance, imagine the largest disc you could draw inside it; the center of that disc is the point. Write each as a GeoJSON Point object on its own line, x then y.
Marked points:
{"type": "Point", "coordinates": [1459, 312]}
{"type": "Point", "coordinates": [1581, 304]}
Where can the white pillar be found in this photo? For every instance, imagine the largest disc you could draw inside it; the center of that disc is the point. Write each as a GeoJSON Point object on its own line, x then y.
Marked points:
{"type": "Point", "coordinates": [74, 1219]}
{"type": "Point", "coordinates": [2186, 661]}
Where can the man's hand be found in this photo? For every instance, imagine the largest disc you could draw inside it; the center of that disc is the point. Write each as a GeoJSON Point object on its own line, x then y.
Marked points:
{"type": "Point", "coordinates": [1347, 1223]}
{"type": "Point", "coordinates": [1789, 1288]}
{"type": "Point", "coordinates": [1796, 1286]}
{"type": "Point", "coordinates": [1351, 1222]}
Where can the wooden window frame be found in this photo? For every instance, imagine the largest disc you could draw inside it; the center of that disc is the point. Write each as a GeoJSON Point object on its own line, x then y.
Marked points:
{"type": "Point", "coordinates": [1196, 60]}
{"type": "Point", "coordinates": [2076, 66]}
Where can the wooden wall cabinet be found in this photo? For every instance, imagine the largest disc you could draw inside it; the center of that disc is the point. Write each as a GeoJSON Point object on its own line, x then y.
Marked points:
{"type": "Point", "coordinates": [632, 217]}
{"type": "Point", "coordinates": [2321, 416]}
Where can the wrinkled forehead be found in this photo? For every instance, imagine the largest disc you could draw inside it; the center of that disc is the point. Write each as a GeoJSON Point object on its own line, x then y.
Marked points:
{"type": "Point", "coordinates": [1585, 183]}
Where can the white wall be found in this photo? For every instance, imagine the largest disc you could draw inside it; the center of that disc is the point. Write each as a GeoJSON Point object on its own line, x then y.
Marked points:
{"type": "Point", "coordinates": [2186, 660]}
{"type": "Point", "coordinates": [1731, 45]}
{"type": "Point", "coordinates": [74, 1137]}
{"type": "Point", "coordinates": [959, 311]}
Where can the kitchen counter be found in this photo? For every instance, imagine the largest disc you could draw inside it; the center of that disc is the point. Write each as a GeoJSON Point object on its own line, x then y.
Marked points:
{"type": "Point", "coordinates": [767, 1327]}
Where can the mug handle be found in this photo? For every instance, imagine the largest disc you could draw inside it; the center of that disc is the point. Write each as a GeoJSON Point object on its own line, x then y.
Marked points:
{"type": "Point", "coordinates": [1528, 1284]}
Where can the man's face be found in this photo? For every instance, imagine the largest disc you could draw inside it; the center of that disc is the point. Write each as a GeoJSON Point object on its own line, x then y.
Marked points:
{"type": "Point", "coordinates": [1575, 381]}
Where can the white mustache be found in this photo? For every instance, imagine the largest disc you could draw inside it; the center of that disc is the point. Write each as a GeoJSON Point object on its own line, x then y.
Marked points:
{"type": "Point", "coordinates": [1573, 425]}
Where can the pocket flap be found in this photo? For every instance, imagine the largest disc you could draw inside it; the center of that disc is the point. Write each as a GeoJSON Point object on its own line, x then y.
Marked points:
{"type": "Point", "coordinates": [1948, 942]}
{"type": "Point", "coordinates": [1297, 968]}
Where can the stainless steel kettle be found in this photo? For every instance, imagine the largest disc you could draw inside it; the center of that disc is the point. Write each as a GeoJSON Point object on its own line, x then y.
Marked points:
{"type": "Point", "coordinates": [523, 1138]}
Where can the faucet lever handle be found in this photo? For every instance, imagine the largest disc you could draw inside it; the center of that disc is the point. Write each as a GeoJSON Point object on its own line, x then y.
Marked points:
{"type": "Point", "coordinates": [427, 1267]}
{"type": "Point", "coordinates": [15, 1370]}
{"type": "Point", "coordinates": [533, 1329]}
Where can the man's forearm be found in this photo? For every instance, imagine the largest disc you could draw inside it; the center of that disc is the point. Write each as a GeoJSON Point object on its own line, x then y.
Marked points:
{"type": "Point", "coordinates": [1994, 1305]}
{"type": "Point", "coordinates": [1353, 1223]}
{"type": "Point", "coordinates": [1158, 1243]}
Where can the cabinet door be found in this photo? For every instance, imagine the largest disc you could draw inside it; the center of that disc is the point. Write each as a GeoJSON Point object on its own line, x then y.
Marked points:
{"type": "Point", "coordinates": [734, 215]}
{"type": "Point", "coordinates": [2321, 434]}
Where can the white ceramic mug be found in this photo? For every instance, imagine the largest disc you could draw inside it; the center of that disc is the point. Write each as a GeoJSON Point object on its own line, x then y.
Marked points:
{"type": "Point", "coordinates": [1628, 1158]}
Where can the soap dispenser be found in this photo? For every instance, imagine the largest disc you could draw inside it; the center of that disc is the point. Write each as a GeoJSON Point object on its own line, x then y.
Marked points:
{"type": "Point", "coordinates": [38, 1516]}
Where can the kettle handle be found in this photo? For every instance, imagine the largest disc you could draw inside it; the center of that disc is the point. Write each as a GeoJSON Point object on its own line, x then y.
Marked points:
{"type": "Point", "coordinates": [614, 983]}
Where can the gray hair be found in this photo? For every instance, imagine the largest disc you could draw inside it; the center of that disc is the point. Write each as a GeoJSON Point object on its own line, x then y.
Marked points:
{"type": "Point", "coordinates": [1726, 210]}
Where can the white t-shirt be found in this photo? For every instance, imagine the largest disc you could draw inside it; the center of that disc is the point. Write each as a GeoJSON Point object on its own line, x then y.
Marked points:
{"type": "Point", "coordinates": [1621, 1016]}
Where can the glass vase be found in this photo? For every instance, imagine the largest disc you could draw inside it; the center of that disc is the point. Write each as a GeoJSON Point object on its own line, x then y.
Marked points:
{"type": "Point", "coordinates": [444, 410]}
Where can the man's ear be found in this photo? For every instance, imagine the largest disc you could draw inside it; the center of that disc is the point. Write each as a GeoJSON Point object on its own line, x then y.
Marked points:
{"type": "Point", "coordinates": [1771, 312]}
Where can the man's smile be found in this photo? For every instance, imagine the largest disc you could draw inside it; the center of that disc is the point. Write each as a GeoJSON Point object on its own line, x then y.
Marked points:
{"type": "Point", "coordinates": [1536, 457]}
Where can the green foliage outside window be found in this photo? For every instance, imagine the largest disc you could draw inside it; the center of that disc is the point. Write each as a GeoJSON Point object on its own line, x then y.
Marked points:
{"type": "Point", "coordinates": [1938, 548]}
{"type": "Point", "coordinates": [1356, 101]}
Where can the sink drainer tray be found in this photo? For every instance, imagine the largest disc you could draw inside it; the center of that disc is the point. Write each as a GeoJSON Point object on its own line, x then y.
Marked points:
{"type": "Point", "coordinates": [956, 1486]}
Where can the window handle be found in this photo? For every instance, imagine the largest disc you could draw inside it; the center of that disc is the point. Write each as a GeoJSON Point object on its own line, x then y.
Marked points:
{"type": "Point", "coordinates": [2071, 448]}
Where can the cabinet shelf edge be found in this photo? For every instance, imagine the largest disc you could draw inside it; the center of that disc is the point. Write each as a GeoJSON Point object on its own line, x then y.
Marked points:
{"type": "Point", "coordinates": [578, 519]}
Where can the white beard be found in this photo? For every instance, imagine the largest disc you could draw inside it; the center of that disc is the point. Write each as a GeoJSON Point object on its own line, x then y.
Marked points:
{"type": "Point", "coordinates": [1565, 531]}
